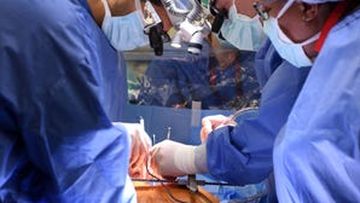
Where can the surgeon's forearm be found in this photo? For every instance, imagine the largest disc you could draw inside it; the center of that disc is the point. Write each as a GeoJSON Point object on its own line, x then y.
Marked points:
{"type": "Point", "coordinates": [191, 159]}
{"type": "Point", "coordinates": [201, 159]}
{"type": "Point", "coordinates": [117, 7]}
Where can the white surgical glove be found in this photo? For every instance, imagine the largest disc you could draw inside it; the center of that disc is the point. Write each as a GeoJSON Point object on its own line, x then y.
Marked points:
{"type": "Point", "coordinates": [210, 123]}
{"type": "Point", "coordinates": [174, 159]}
{"type": "Point", "coordinates": [140, 148]}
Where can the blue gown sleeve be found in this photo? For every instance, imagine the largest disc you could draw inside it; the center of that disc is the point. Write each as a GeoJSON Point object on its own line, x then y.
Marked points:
{"type": "Point", "coordinates": [243, 154]}
{"type": "Point", "coordinates": [53, 81]}
{"type": "Point", "coordinates": [317, 154]}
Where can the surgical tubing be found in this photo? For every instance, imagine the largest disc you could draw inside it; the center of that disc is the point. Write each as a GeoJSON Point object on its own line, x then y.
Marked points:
{"type": "Point", "coordinates": [171, 7]}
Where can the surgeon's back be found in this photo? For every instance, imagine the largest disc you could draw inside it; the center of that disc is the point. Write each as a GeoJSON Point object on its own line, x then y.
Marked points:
{"type": "Point", "coordinates": [60, 88]}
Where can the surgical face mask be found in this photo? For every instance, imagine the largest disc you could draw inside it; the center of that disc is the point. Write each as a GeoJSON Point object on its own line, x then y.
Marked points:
{"type": "Point", "coordinates": [124, 32]}
{"type": "Point", "coordinates": [288, 50]}
{"type": "Point", "coordinates": [243, 32]}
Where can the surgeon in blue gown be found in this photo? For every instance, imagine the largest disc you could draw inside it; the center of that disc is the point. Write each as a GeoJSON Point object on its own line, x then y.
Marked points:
{"type": "Point", "coordinates": [61, 86]}
{"type": "Point", "coordinates": [317, 154]}
{"type": "Point", "coordinates": [243, 154]}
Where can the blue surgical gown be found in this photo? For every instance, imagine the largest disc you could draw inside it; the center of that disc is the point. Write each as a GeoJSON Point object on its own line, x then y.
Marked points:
{"type": "Point", "coordinates": [317, 154]}
{"type": "Point", "coordinates": [60, 87]}
{"type": "Point", "coordinates": [243, 154]}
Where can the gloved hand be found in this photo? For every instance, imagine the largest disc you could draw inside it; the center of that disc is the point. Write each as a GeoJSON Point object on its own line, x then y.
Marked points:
{"type": "Point", "coordinates": [210, 123]}
{"type": "Point", "coordinates": [173, 159]}
{"type": "Point", "coordinates": [140, 148]}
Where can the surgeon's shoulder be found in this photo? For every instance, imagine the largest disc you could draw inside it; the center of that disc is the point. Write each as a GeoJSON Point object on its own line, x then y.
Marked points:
{"type": "Point", "coordinates": [350, 23]}
{"type": "Point", "coordinates": [344, 36]}
{"type": "Point", "coordinates": [54, 13]}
